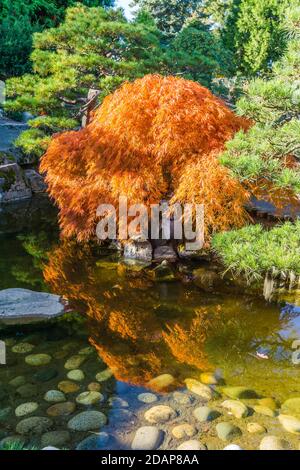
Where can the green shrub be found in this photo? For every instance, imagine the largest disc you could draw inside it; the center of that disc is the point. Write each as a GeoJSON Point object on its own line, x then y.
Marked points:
{"type": "Point", "coordinates": [253, 251]}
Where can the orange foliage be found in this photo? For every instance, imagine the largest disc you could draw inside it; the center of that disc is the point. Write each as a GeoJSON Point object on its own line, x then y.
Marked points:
{"type": "Point", "coordinates": [147, 141]}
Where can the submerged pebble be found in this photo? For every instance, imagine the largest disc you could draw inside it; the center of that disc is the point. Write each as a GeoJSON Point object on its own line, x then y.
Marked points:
{"type": "Point", "coordinates": [273, 443]}
{"type": "Point", "coordinates": [74, 362]}
{"type": "Point", "coordinates": [23, 348]}
{"type": "Point", "coordinates": [34, 425]}
{"type": "Point", "coordinates": [38, 359]}
{"type": "Point", "coordinates": [66, 386]}
{"type": "Point", "coordinates": [87, 421]}
{"type": "Point", "coordinates": [204, 413]}
{"type": "Point", "coordinates": [204, 391]}
{"type": "Point", "coordinates": [147, 438]}
{"type": "Point", "coordinates": [54, 396]}
{"type": "Point", "coordinates": [61, 409]}
{"type": "Point", "coordinates": [89, 398]}
{"type": "Point", "coordinates": [161, 382]}
{"type": "Point", "coordinates": [192, 445]}
{"type": "Point", "coordinates": [184, 430]}
{"type": "Point", "coordinates": [147, 397]}
{"type": "Point", "coordinates": [160, 414]}
{"type": "Point", "coordinates": [26, 409]}
{"type": "Point", "coordinates": [96, 442]}
{"type": "Point", "coordinates": [104, 375]}
{"type": "Point", "coordinates": [76, 375]}
{"type": "Point", "coordinates": [227, 431]}
{"type": "Point", "coordinates": [55, 438]}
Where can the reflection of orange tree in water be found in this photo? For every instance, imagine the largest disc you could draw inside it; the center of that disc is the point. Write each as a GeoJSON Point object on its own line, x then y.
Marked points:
{"type": "Point", "coordinates": [121, 306]}
{"type": "Point", "coordinates": [132, 335]}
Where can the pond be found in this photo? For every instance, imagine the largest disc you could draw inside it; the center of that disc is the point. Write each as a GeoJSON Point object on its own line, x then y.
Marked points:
{"type": "Point", "coordinates": [128, 345]}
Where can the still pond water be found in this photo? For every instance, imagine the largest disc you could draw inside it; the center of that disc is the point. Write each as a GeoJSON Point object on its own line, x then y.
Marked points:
{"type": "Point", "coordinates": [135, 329]}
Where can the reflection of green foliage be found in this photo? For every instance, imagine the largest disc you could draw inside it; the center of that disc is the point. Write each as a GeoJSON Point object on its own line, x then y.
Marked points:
{"type": "Point", "coordinates": [36, 245]}
{"type": "Point", "coordinates": [29, 270]}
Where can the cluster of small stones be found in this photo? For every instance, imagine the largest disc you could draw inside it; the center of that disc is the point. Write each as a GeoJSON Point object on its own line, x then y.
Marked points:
{"type": "Point", "coordinates": [79, 410]}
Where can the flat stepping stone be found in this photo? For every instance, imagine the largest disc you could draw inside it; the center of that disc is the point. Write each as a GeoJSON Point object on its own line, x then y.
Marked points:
{"type": "Point", "coordinates": [19, 306]}
{"type": "Point", "coordinates": [147, 438]}
{"type": "Point", "coordinates": [182, 398]}
{"type": "Point", "coordinates": [233, 447]}
{"type": "Point", "coordinates": [18, 381]}
{"type": "Point", "coordinates": [264, 410]}
{"type": "Point", "coordinates": [45, 375]}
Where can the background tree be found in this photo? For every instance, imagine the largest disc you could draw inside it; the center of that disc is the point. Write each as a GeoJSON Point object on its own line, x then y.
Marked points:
{"type": "Point", "coordinates": [20, 19]}
{"type": "Point", "coordinates": [196, 53]}
{"type": "Point", "coordinates": [170, 15]}
{"type": "Point", "coordinates": [270, 151]}
{"type": "Point", "coordinates": [93, 48]}
{"type": "Point", "coordinates": [252, 30]}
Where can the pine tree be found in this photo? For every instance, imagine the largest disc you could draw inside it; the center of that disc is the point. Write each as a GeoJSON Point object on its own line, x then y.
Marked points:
{"type": "Point", "coordinates": [268, 155]}
{"type": "Point", "coordinates": [252, 30]}
{"type": "Point", "coordinates": [19, 20]}
{"type": "Point", "coordinates": [93, 48]}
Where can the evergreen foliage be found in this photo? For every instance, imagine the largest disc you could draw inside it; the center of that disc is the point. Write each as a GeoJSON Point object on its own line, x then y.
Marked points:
{"type": "Point", "coordinates": [19, 20]}
{"type": "Point", "coordinates": [93, 48]}
{"type": "Point", "coordinates": [270, 151]}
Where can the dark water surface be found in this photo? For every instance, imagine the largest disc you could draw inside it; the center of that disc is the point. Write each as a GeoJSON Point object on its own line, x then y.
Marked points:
{"type": "Point", "coordinates": [137, 328]}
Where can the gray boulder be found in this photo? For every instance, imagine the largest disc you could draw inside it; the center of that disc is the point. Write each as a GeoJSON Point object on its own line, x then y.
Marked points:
{"type": "Point", "coordinates": [13, 186]}
{"type": "Point", "coordinates": [26, 306]}
{"type": "Point", "coordinates": [35, 181]}
{"type": "Point", "coordinates": [138, 249]}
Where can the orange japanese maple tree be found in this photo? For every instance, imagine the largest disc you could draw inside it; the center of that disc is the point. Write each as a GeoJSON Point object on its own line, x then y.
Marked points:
{"type": "Point", "coordinates": [155, 138]}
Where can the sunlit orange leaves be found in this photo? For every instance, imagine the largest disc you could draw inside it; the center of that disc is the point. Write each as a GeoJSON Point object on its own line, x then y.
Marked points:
{"type": "Point", "coordinates": [154, 138]}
